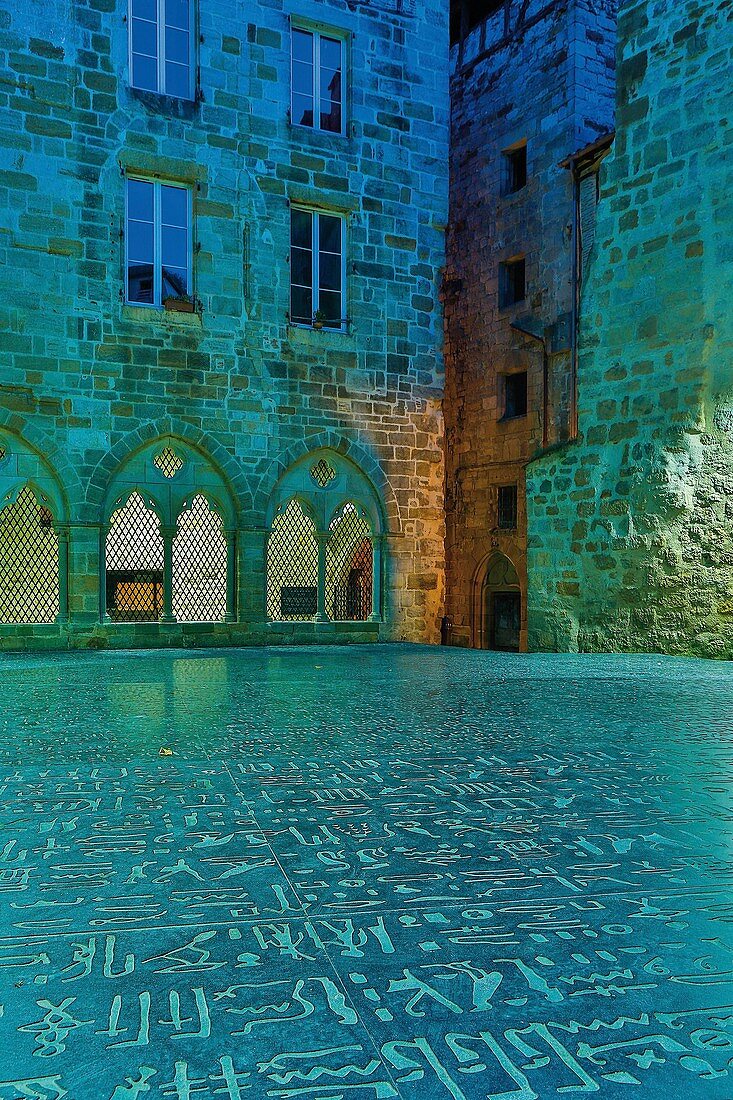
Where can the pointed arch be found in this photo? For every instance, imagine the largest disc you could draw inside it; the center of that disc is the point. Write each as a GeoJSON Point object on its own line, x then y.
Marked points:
{"type": "Point", "coordinates": [496, 606]}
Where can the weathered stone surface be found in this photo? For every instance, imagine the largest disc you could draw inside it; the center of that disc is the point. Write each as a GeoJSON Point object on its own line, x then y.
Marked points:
{"type": "Point", "coordinates": [650, 565]}
{"type": "Point", "coordinates": [546, 78]}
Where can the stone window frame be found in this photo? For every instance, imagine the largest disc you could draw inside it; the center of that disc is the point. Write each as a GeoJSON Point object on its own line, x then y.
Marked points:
{"type": "Point", "coordinates": [321, 30]}
{"type": "Point", "coordinates": [158, 182]}
{"type": "Point", "coordinates": [509, 186]}
{"type": "Point", "coordinates": [507, 290]}
{"type": "Point", "coordinates": [24, 467]}
{"type": "Point", "coordinates": [160, 24]}
{"type": "Point", "coordinates": [169, 498]}
{"type": "Point", "coordinates": [506, 415]}
{"type": "Point", "coordinates": [350, 486]}
{"type": "Point", "coordinates": [316, 212]}
{"type": "Point", "coordinates": [507, 511]}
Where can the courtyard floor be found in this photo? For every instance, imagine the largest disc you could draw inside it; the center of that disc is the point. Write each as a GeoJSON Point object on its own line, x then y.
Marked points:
{"type": "Point", "coordinates": [367, 873]}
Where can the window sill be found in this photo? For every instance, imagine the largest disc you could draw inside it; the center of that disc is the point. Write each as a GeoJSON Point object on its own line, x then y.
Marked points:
{"type": "Point", "coordinates": [171, 105]}
{"type": "Point", "coordinates": [170, 318]}
{"type": "Point", "coordinates": [311, 337]}
{"type": "Point", "coordinates": [510, 419]}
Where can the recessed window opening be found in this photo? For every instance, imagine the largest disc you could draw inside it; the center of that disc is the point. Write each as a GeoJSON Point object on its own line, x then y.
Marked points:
{"type": "Point", "coordinates": [507, 507]}
{"type": "Point", "coordinates": [134, 557]}
{"type": "Point", "coordinates": [161, 46]}
{"type": "Point", "coordinates": [514, 165]}
{"type": "Point", "coordinates": [475, 12]}
{"type": "Point", "coordinates": [292, 566]}
{"type": "Point", "coordinates": [512, 282]}
{"type": "Point", "coordinates": [158, 242]}
{"type": "Point", "coordinates": [29, 561]}
{"type": "Point", "coordinates": [317, 269]}
{"type": "Point", "coordinates": [349, 566]}
{"type": "Point", "coordinates": [515, 395]}
{"type": "Point", "coordinates": [199, 565]}
{"type": "Point", "coordinates": [317, 81]}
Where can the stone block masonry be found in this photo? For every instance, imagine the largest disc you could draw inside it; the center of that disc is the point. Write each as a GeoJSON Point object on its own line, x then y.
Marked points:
{"type": "Point", "coordinates": [532, 81]}
{"type": "Point", "coordinates": [87, 381]}
{"type": "Point", "coordinates": [630, 543]}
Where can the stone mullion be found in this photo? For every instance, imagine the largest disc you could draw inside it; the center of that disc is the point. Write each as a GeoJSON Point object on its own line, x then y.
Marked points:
{"type": "Point", "coordinates": [377, 573]}
{"type": "Point", "coordinates": [168, 534]}
{"type": "Point", "coordinates": [322, 540]}
{"type": "Point", "coordinates": [63, 574]}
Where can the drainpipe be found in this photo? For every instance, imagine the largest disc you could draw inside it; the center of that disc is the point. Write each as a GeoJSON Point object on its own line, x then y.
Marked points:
{"type": "Point", "coordinates": [545, 376]}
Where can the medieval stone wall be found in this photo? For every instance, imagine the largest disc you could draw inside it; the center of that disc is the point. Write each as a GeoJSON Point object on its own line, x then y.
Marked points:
{"type": "Point", "coordinates": [87, 380]}
{"type": "Point", "coordinates": [630, 543]}
{"type": "Point", "coordinates": [542, 74]}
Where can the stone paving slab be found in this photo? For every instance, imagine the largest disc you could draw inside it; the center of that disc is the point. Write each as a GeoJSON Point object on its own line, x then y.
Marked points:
{"type": "Point", "coordinates": [518, 889]}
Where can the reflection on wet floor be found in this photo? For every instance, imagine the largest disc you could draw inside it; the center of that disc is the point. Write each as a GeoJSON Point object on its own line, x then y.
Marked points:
{"type": "Point", "coordinates": [373, 872]}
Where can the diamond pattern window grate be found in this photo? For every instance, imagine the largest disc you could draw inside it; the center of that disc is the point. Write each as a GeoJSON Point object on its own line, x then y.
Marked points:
{"type": "Point", "coordinates": [349, 566]}
{"type": "Point", "coordinates": [134, 564]}
{"type": "Point", "coordinates": [292, 566]}
{"type": "Point", "coordinates": [168, 462]}
{"type": "Point", "coordinates": [29, 562]}
{"type": "Point", "coordinates": [323, 473]}
{"type": "Point", "coordinates": [200, 565]}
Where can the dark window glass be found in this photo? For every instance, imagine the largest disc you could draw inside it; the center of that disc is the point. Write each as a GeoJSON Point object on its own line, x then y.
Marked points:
{"type": "Point", "coordinates": [317, 81]}
{"type": "Point", "coordinates": [512, 282]}
{"type": "Point", "coordinates": [515, 170]}
{"type": "Point", "coordinates": [515, 395]}
{"type": "Point", "coordinates": [316, 235]}
{"type": "Point", "coordinates": [468, 14]}
{"type": "Point", "coordinates": [161, 46]}
{"type": "Point", "coordinates": [170, 228]}
{"type": "Point", "coordinates": [507, 507]}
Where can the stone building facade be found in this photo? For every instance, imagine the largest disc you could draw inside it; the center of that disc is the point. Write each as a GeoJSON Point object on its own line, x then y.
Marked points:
{"type": "Point", "coordinates": [531, 83]}
{"type": "Point", "coordinates": [161, 382]}
{"type": "Point", "coordinates": [630, 526]}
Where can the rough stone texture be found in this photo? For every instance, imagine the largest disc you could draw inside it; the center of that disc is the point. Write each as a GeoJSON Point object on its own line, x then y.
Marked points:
{"type": "Point", "coordinates": [630, 528]}
{"type": "Point", "coordinates": [86, 380]}
{"type": "Point", "coordinates": [545, 77]}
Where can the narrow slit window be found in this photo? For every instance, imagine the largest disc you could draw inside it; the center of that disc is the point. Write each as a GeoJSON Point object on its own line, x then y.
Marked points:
{"type": "Point", "coordinates": [512, 282]}
{"type": "Point", "coordinates": [158, 242]}
{"type": "Point", "coordinates": [507, 508]}
{"type": "Point", "coordinates": [317, 81]}
{"type": "Point", "coordinates": [317, 275]}
{"type": "Point", "coordinates": [515, 395]}
{"type": "Point", "coordinates": [515, 169]}
{"type": "Point", "coordinates": [161, 46]}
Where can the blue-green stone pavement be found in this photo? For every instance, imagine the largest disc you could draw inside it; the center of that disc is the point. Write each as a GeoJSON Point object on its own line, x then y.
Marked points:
{"type": "Point", "coordinates": [365, 872]}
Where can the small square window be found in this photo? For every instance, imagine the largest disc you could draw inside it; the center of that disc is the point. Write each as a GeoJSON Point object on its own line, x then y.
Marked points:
{"type": "Point", "coordinates": [512, 282]}
{"type": "Point", "coordinates": [506, 517]}
{"type": "Point", "coordinates": [317, 268]}
{"type": "Point", "coordinates": [515, 395]}
{"type": "Point", "coordinates": [161, 46]}
{"type": "Point", "coordinates": [158, 242]}
{"type": "Point", "coordinates": [514, 169]}
{"type": "Point", "coordinates": [317, 81]}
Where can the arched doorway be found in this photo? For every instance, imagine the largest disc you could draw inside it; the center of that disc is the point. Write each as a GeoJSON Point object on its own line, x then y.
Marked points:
{"type": "Point", "coordinates": [497, 618]}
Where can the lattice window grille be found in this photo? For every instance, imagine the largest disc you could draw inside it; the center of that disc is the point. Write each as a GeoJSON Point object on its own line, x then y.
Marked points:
{"type": "Point", "coordinates": [292, 566]}
{"type": "Point", "coordinates": [29, 561]}
{"type": "Point", "coordinates": [323, 473]}
{"type": "Point", "coordinates": [168, 462]}
{"type": "Point", "coordinates": [349, 566]}
{"type": "Point", "coordinates": [200, 565]}
{"type": "Point", "coordinates": [3, 453]}
{"type": "Point", "coordinates": [134, 559]}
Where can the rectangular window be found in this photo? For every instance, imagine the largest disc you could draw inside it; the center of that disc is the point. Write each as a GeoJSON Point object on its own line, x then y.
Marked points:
{"type": "Point", "coordinates": [512, 282]}
{"type": "Point", "coordinates": [507, 508]}
{"type": "Point", "coordinates": [161, 46]}
{"type": "Point", "coordinates": [515, 395]}
{"type": "Point", "coordinates": [514, 169]}
{"type": "Point", "coordinates": [317, 268]}
{"type": "Point", "coordinates": [158, 242]}
{"type": "Point", "coordinates": [317, 81]}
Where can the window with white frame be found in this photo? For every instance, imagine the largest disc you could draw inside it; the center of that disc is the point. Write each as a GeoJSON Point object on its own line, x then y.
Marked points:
{"type": "Point", "coordinates": [317, 81]}
{"type": "Point", "coordinates": [158, 242]}
{"type": "Point", "coordinates": [161, 46]}
{"type": "Point", "coordinates": [317, 268]}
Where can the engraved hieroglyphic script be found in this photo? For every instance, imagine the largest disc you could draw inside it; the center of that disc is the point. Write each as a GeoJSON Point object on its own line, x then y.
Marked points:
{"type": "Point", "coordinates": [386, 872]}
